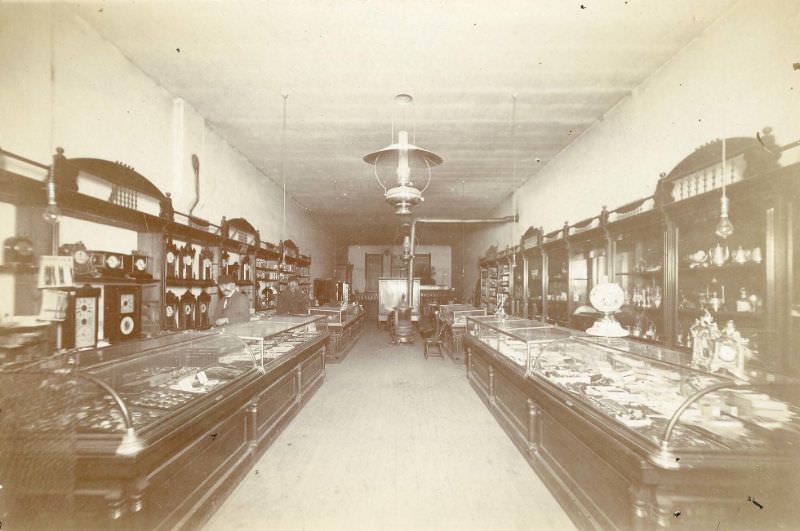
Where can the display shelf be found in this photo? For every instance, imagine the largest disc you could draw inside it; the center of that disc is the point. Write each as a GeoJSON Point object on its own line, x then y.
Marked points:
{"type": "Point", "coordinates": [87, 279]}
{"type": "Point", "coordinates": [181, 283]}
{"type": "Point", "coordinates": [723, 315]}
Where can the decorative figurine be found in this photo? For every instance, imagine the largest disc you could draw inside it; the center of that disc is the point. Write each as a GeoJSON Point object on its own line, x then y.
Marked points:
{"type": "Point", "coordinates": [607, 298]}
{"type": "Point", "coordinates": [704, 332]}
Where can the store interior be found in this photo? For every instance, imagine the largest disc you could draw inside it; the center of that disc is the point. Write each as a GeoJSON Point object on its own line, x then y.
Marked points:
{"type": "Point", "coordinates": [572, 229]}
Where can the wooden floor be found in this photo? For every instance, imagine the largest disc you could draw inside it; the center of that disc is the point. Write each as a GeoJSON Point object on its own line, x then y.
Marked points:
{"type": "Point", "coordinates": [392, 441]}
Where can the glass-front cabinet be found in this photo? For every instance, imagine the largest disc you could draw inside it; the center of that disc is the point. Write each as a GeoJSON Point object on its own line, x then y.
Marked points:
{"type": "Point", "coordinates": [531, 244]}
{"type": "Point", "coordinates": [588, 266]}
{"type": "Point", "coordinates": [505, 279]}
{"type": "Point", "coordinates": [555, 285]}
{"type": "Point", "coordinates": [637, 240]}
{"type": "Point", "coordinates": [737, 277]}
{"type": "Point", "coordinates": [518, 284]}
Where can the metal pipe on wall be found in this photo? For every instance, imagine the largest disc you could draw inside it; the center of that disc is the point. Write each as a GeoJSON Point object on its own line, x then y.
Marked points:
{"type": "Point", "coordinates": [477, 221]}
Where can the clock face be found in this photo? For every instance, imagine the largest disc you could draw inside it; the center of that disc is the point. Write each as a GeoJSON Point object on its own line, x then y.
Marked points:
{"type": "Point", "coordinates": [727, 354]}
{"type": "Point", "coordinates": [126, 325]}
{"type": "Point", "coordinates": [607, 297]}
{"type": "Point", "coordinates": [206, 262]}
{"type": "Point", "coordinates": [170, 257]}
{"type": "Point", "coordinates": [126, 303]}
{"type": "Point", "coordinates": [187, 309]}
{"type": "Point", "coordinates": [140, 264]}
{"type": "Point", "coordinates": [188, 259]}
{"type": "Point", "coordinates": [170, 311]}
{"type": "Point", "coordinates": [81, 257]}
{"type": "Point", "coordinates": [203, 307]}
{"type": "Point", "coordinates": [113, 261]}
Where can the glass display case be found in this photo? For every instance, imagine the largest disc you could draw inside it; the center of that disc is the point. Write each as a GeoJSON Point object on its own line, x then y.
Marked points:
{"type": "Point", "coordinates": [456, 314]}
{"type": "Point", "coordinates": [271, 338]}
{"type": "Point", "coordinates": [344, 325]}
{"type": "Point", "coordinates": [336, 315]}
{"type": "Point", "coordinates": [144, 389]}
{"type": "Point", "coordinates": [646, 388]}
{"type": "Point", "coordinates": [673, 406]}
{"type": "Point", "coordinates": [185, 411]}
{"type": "Point", "coordinates": [517, 339]}
{"type": "Point", "coordinates": [452, 324]}
{"type": "Point", "coordinates": [631, 436]}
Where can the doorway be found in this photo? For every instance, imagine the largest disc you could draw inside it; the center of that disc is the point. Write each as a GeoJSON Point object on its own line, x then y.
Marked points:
{"type": "Point", "coordinates": [373, 270]}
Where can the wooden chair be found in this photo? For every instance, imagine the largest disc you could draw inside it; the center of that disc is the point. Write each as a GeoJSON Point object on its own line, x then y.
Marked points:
{"type": "Point", "coordinates": [434, 341]}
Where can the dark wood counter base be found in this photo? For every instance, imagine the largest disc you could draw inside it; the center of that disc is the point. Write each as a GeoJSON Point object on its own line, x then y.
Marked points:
{"type": "Point", "coordinates": [606, 480]}
{"type": "Point", "coordinates": [188, 466]}
{"type": "Point", "coordinates": [343, 337]}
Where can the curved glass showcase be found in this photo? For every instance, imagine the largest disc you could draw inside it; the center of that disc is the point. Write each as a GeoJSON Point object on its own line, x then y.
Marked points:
{"type": "Point", "coordinates": [337, 314]}
{"type": "Point", "coordinates": [456, 314]}
{"type": "Point", "coordinates": [516, 339]}
{"type": "Point", "coordinates": [140, 390]}
{"type": "Point", "coordinates": [645, 389]}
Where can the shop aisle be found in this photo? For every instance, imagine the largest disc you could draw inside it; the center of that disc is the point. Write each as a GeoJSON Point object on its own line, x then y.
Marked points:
{"type": "Point", "coordinates": [391, 441]}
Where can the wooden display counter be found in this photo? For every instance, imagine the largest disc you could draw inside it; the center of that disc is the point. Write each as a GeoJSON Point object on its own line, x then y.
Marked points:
{"type": "Point", "coordinates": [607, 476]}
{"type": "Point", "coordinates": [343, 336]}
{"type": "Point", "coordinates": [189, 458]}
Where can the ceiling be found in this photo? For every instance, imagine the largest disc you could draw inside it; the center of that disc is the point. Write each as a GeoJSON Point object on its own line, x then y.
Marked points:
{"type": "Point", "coordinates": [498, 92]}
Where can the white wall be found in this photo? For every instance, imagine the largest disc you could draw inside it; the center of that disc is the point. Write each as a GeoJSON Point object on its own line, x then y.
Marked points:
{"type": "Point", "coordinates": [63, 85]}
{"type": "Point", "coordinates": [734, 79]}
{"type": "Point", "coordinates": [441, 261]}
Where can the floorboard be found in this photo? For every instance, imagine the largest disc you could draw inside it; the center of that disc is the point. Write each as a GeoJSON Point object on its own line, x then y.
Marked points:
{"type": "Point", "coordinates": [392, 441]}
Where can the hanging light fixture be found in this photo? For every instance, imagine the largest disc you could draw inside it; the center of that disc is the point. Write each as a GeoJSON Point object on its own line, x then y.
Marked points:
{"type": "Point", "coordinates": [403, 156]}
{"type": "Point", "coordinates": [724, 225]}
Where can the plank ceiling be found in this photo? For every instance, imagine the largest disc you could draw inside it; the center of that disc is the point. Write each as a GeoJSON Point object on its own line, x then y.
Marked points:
{"type": "Point", "coordinates": [342, 62]}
